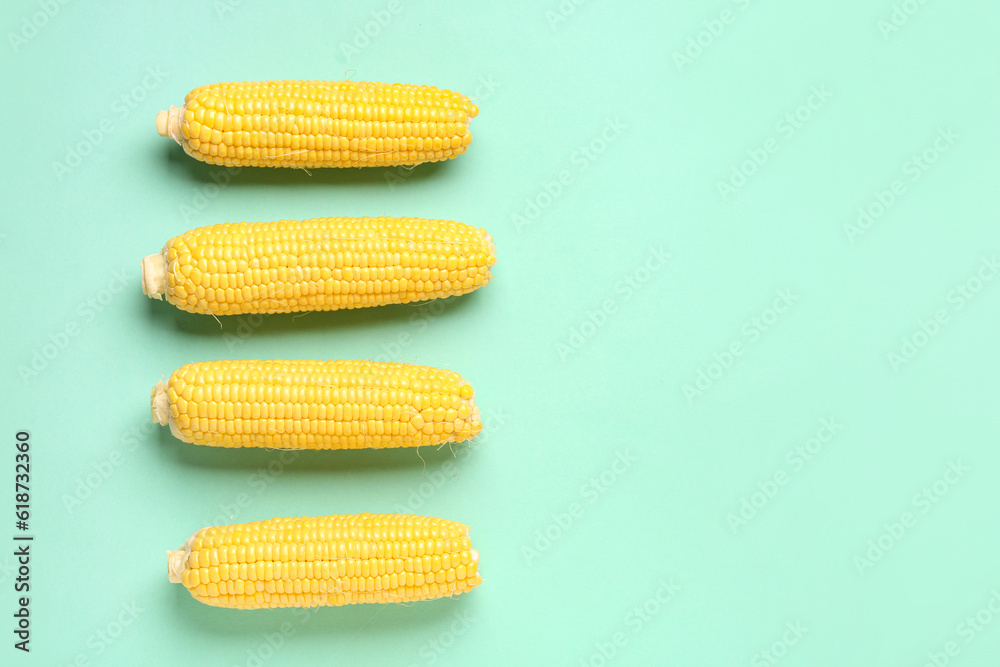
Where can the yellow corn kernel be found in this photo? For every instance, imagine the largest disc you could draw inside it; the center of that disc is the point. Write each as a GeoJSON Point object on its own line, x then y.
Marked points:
{"type": "Point", "coordinates": [285, 123]}
{"type": "Point", "coordinates": [318, 264]}
{"type": "Point", "coordinates": [315, 405]}
{"type": "Point", "coordinates": [297, 558]}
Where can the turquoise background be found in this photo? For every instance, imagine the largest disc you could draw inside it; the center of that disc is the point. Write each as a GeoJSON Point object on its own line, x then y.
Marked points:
{"type": "Point", "coordinates": [627, 508]}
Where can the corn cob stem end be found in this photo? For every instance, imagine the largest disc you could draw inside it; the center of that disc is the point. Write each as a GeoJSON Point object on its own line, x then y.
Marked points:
{"type": "Point", "coordinates": [176, 561]}
{"type": "Point", "coordinates": [154, 276]}
{"type": "Point", "coordinates": [159, 405]}
{"type": "Point", "coordinates": [168, 123]}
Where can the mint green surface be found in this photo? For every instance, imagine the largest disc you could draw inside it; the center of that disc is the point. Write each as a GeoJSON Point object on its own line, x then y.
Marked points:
{"type": "Point", "coordinates": [727, 414]}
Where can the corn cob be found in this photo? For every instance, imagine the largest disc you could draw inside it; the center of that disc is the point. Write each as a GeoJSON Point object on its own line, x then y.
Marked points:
{"type": "Point", "coordinates": [326, 561]}
{"type": "Point", "coordinates": [315, 405]}
{"type": "Point", "coordinates": [318, 264]}
{"type": "Point", "coordinates": [309, 124]}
